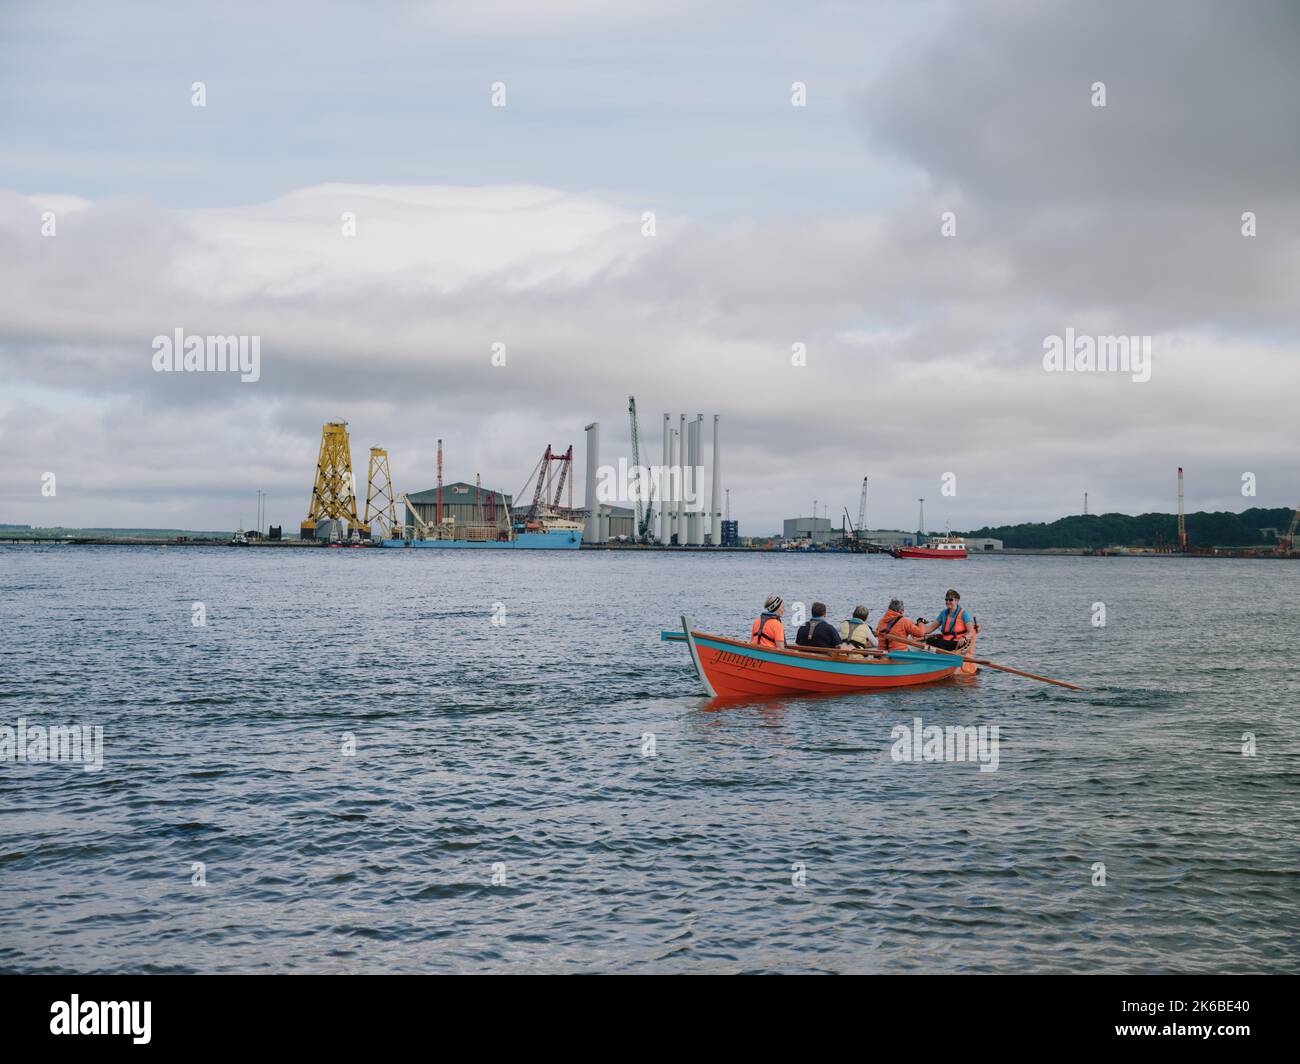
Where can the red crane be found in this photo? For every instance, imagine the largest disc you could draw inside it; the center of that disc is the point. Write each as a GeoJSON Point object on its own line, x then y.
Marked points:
{"type": "Point", "coordinates": [567, 464]}
{"type": "Point", "coordinates": [1182, 520]}
{"type": "Point", "coordinates": [544, 478]}
{"type": "Point", "coordinates": [439, 504]}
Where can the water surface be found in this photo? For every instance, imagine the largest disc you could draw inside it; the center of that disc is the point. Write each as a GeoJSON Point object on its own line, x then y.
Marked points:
{"type": "Point", "coordinates": [518, 746]}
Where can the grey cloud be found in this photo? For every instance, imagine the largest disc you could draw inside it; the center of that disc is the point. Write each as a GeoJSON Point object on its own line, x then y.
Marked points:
{"type": "Point", "coordinates": [924, 352]}
{"type": "Point", "coordinates": [1200, 102]}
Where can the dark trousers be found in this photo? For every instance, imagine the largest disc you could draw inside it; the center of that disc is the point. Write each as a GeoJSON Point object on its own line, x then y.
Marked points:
{"type": "Point", "coordinates": [942, 642]}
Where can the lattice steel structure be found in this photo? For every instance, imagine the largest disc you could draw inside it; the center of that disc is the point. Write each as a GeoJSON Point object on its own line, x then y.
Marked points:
{"type": "Point", "coordinates": [334, 495]}
{"type": "Point", "coordinates": [381, 505]}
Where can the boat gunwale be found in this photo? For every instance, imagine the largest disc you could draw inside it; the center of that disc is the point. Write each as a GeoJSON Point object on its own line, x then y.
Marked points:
{"type": "Point", "coordinates": [820, 662]}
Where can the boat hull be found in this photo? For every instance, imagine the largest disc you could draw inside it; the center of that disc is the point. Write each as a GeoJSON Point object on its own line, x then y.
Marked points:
{"type": "Point", "coordinates": [552, 539]}
{"type": "Point", "coordinates": [730, 668]}
{"type": "Point", "coordinates": [927, 552]}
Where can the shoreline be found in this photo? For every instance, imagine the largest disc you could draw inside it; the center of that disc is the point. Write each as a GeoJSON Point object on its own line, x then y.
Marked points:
{"type": "Point", "coordinates": [296, 544]}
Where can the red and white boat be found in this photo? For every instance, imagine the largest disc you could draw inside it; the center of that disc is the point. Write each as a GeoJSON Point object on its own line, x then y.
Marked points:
{"type": "Point", "coordinates": [938, 547]}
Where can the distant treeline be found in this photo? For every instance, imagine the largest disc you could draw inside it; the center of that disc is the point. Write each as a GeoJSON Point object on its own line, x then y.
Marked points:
{"type": "Point", "coordinates": [59, 532]}
{"type": "Point", "coordinates": [1246, 529]}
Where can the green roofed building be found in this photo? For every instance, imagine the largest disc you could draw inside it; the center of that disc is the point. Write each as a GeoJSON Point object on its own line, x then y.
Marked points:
{"type": "Point", "coordinates": [462, 504]}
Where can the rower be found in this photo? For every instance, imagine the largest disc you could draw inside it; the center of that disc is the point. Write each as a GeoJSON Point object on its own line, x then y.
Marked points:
{"type": "Point", "coordinates": [894, 623]}
{"type": "Point", "coordinates": [768, 629]}
{"type": "Point", "coordinates": [954, 627]}
{"type": "Point", "coordinates": [818, 632]}
{"type": "Point", "coordinates": [856, 632]}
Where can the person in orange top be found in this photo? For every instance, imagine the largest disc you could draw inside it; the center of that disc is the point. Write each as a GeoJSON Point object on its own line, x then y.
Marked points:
{"type": "Point", "coordinates": [893, 621]}
{"type": "Point", "coordinates": [768, 631]}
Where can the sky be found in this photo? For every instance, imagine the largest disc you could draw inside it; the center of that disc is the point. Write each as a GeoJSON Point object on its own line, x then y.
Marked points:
{"type": "Point", "coordinates": [949, 196]}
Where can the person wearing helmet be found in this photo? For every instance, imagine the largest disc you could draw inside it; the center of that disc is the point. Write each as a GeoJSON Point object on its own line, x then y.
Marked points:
{"type": "Point", "coordinates": [768, 631]}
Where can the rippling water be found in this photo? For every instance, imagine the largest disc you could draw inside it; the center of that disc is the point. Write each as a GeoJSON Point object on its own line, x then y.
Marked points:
{"type": "Point", "coordinates": [517, 749]}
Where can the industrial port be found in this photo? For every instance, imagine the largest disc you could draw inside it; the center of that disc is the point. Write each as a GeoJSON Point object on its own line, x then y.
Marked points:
{"type": "Point", "coordinates": [668, 511]}
{"type": "Point", "coordinates": [470, 516]}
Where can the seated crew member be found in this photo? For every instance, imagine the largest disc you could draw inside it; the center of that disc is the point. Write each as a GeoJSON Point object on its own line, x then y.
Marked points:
{"type": "Point", "coordinates": [818, 632]}
{"type": "Point", "coordinates": [954, 627]}
{"type": "Point", "coordinates": [855, 633]}
{"type": "Point", "coordinates": [768, 631]}
{"type": "Point", "coordinates": [893, 622]}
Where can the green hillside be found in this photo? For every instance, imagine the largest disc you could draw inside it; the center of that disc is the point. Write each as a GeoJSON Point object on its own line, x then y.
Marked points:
{"type": "Point", "coordinates": [1223, 529]}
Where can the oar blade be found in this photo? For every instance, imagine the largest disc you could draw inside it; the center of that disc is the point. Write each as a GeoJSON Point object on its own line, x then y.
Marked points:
{"type": "Point", "coordinates": [991, 664]}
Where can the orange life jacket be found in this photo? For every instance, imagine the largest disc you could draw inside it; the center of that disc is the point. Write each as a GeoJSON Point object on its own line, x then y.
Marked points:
{"type": "Point", "coordinates": [893, 621]}
{"type": "Point", "coordinates": [768, 628]}
{"type": "Point", "coordinates": [953, 626]}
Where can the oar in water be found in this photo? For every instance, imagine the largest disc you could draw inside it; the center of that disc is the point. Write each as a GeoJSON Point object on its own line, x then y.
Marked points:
{"type": "Point", "coordinates": [985, 662]}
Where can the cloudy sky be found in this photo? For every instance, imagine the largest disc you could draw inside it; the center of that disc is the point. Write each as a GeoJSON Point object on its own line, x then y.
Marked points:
{"type": "Point", "coordinates": [774, 225]}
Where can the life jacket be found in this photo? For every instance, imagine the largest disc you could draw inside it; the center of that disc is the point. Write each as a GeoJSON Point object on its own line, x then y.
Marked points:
{"type": "Point", "coordinates": [850, 631]}
{"type": "Point", "coordinates": [951, 624]}
{"type": "Point", "coordinates": [807, 632]}
{"type": "Point", "coordinates": [763, 630]}
{"type": "Point", "coordinates": [886, 625]}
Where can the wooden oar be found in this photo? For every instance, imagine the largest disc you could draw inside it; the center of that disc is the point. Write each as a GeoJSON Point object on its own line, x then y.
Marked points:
{"type": "Point", "coordinates": [985, 662]}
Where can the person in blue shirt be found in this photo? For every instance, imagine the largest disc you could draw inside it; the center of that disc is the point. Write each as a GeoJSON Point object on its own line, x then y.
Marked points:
{"type": "Point", "coordinates": [954, 628]}
{"type": "Point", "coordinates": [818, 632]}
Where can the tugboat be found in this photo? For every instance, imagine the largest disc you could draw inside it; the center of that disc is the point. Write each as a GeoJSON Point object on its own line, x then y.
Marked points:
{"type": "Point", "coordinates": [938, 547]}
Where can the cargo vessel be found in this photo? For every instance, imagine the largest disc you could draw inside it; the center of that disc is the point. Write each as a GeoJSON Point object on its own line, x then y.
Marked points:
{"type": "Point", "coordinates": [551, 535]}
{"type": "Point", "coordinates": [938, 547]}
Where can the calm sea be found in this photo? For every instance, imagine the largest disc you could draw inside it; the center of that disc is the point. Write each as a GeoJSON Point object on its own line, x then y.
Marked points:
{"type": "Point", "coordinates": [438, 761]}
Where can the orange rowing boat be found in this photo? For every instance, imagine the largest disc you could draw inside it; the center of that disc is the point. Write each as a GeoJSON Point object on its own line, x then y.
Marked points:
{"type": "Point", "coordinates": [730, 668]}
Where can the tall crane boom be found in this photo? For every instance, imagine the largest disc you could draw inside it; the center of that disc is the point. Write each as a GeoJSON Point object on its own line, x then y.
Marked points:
{"type": "Point", "coordinates": [862, 508]}
{"type": "Point", "coordinates": [543, 469]}
{"type": "Point", "coordinates": [644, 515]}
{"type": "Point", "coordinates": [439, 506]}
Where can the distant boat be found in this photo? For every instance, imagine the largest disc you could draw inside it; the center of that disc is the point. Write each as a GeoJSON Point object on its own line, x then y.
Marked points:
{"type": "Point", "coordinates": [938, 547]}
{"type": "Point", "coordinates": [550, 534]}
{"type": "Point", "coordinates": [239, 539]}
{"type": "Point", "coordinates": [731, 668]}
